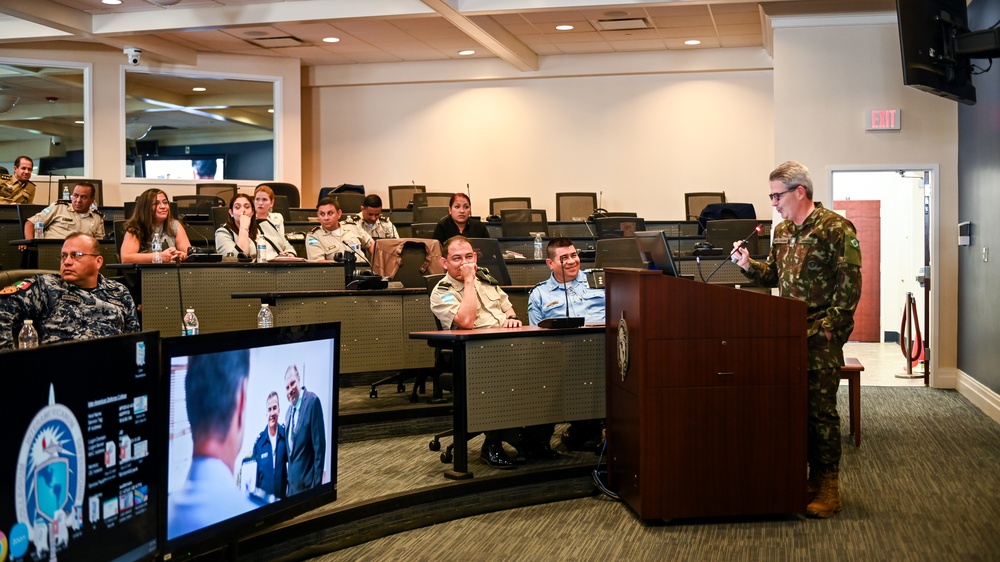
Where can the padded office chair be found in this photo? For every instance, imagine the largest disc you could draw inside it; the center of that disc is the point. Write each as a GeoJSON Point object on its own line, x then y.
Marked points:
{"type": "Point", "coordinates": [29, 258]}
{"type": "Point", "coordinates": [491, 257]}
{"type": "Point", "coordinates": [618, 252]}
{"type": "Point", "coordinates": [224, 191]}
{"type": "Point", "coordinates": [281, 206]}
{"type": "Point", "coordinates": [350, 202]}
{"type": "Point", "coordinates": [423, 229]}
{"type": "Point", "coordinates": [119, 236]}
{"type": "Point", "coordinates": [575, 206]}
{"type": "Point", "coordinates": [197, 207]}
{"type": "Point", "coordinates": [618, 227]}
{"type": "Point", "coordinates": [424, 199]}
{"type": "Point", "coordinates": [287, 189]}
{"type": "Point", "coordinates": [695, 203]}
{"type": "Point", "coordinates": [401, 196]}
{"type": "Point", "coordinates": [349, 187]}
{"type": "Point", "coordinates": [522, 222]}
{"type": "Point", "coordinates": [500, 203]}
{"type": "Point", "coordinates": [220, 216]}
{"type": "Point", "coordinates": [428, 214]}
{"type": "Point", "coordinates": [11, 276]}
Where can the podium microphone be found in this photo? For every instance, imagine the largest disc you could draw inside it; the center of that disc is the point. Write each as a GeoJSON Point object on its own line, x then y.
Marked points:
{"type": "Point", "coordinates": [732, 254]}
{"type": "Point", "coordinates": [566, 321]}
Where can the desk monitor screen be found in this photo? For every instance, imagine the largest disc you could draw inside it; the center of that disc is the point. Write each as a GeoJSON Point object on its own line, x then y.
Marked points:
{"type": "Point", "coordinates": [79, 474]}
{"type": "Point", "coordinates": [618, 227]}
{"type": "Point", "coordinates": [655, 250]}
{"type": "Point", "coordinates": [723, 233]}
{"type": "Point", "coordinates": [225, 474]}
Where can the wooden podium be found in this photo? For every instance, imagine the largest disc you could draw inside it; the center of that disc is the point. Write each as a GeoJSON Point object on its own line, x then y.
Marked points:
{"type": "Point", "coordinates": [709, 419]}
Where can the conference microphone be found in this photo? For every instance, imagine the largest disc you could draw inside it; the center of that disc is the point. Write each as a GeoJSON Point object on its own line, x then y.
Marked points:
{"type": "Point", "coordinates": [733, 255]}
{"type": "Point", "coordinates": [566, 321]}
{"type": "Point", "coordinates": [201, 254]}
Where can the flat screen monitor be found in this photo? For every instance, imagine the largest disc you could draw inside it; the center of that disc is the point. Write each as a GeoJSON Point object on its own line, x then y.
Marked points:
{"type": "Point", "coordinates": [618, 227]}
{"type": "Point", "coordinates": [927, 44]}
{"type": "Point", "coordinates": [185, 167]}
{"type": "Point", "coordinates": [722, 233]}
{"type": "Point", "coordinates": [225, 473]}
{"type": "Point", "coordinates": [654, 247]}
{"type": "Point", "coordinates": [80, 473]}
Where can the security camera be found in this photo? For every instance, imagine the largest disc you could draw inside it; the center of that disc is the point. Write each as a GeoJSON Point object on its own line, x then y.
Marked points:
{"type": "Point", "coordinates": [133, 55]}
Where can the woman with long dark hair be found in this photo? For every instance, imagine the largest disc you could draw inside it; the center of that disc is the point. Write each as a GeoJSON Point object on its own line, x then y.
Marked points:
{"type": "Point", "coordinates": [153, 218]}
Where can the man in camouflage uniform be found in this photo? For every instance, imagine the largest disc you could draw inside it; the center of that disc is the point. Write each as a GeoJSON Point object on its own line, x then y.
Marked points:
{"type": "Point", "coordinates": [66, 217]}
{"type": "Point", "coordinates": [331, 237]}
{"type": "Point", "coordinates": [815, 257]}
{"type": "Point", "coordinates": [371, 220]}
{"type": "Point", "coordinates": [18, 188]}
{"type": "Point", "coordinates": [79, 303]}
{"type": "Point", "coordinates": [468, 298]}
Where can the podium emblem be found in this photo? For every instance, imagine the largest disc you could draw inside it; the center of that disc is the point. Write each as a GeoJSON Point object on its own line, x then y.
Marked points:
{"type": "Point", "coordinates": [623, 346]}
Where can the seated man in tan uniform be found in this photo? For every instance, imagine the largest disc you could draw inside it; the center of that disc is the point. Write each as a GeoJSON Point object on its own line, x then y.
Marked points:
{"type": "Point", "coordinates": [18, 188]}
{"type": "Point", "coordinates": [64, 218]}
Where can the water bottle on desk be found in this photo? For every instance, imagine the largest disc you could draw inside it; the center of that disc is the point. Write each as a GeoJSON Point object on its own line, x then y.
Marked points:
{"type": "Point", "coordinates": [39, 230]}
{"type": "Point", "coordinates": [65, 194]}
{"type": "Point", "coordinates": [27, 338]}
{"type": "Point", "coordinates": [539, 254]}
{"type": "Point", "coordinates": [190, 326]}
{"type": "Point", "coordinates": [157, 258]}
{"type": "Point", "coordinates": [265, 318]}
{"type": "Point", "coordinates": [261, 249]}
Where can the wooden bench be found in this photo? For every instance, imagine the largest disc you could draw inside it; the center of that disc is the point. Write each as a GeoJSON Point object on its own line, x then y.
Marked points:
{"type": "Point", "coordinates": [852, 372]}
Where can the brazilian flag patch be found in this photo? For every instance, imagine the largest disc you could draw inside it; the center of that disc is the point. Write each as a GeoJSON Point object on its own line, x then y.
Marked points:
{"type": "Point", "coordinates": [852, 251]}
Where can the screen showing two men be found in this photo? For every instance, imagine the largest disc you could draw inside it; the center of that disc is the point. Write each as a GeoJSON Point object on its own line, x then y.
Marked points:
{"type": "Point", "coordinates": [249, 430]}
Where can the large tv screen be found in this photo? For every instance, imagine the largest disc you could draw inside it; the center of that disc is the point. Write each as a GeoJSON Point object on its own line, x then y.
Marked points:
{"type": "Point", "coordinates": [79, 475]}
{"type": "Point", "coordinates": [185, 168]}
{"type": "Point", "coordinates": [251, 432]}
{"type": "Point", "coordinates": [927, 42]}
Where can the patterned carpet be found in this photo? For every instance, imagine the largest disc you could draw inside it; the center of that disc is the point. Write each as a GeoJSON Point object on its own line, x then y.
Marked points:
{"type": "Point", "coordinates": [924, 485]}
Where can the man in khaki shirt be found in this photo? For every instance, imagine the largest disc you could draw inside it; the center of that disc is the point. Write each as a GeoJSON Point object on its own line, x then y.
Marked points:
{"type": "Point", "coordinates": [62, 219]}
{"type": "Point", "coordinates": [18, 188]}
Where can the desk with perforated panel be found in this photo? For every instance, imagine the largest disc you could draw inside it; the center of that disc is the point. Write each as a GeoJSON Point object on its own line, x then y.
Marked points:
{"type": "Point", "coordinates": [506, 378]}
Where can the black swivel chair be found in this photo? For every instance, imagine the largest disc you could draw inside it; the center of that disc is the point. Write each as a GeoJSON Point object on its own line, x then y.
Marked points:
{"type": "Point", "coordinates": [282, 206]}
{"type": "Point", "coordinates": [695, 203]}
{"type": "Point", "coordinates": [424, 199]}
{"type": "Point", "coordinates": [287, 189]}
{"type": "Point", "coordinates": [350, 202]}
{"type": "Point", "coordinates": [429, 214]}
{"type": "Point", "coordinates": [491, 257]}
{"type": "Point", "coordinates": [523, 222]}
{"type": "Point", "coordinates": [574, 206]}
{"type": "Point", "coordinates": [423, 229]}
{"type": "Point", "coordinates": [401, 196]}
{"type": "Point", "coordinates": [500, 203]}
{"type": "Point", "coordinates": [29, 258]}
{"type": "Point", "coordinates": [224, 191]}
{"type": "Point", "coordinates": [197, 207]}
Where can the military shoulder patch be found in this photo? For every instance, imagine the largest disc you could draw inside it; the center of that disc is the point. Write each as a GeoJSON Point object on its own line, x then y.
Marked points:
{"type": "Point", "coordinates": [18, 287]}
{"type": "Point", "coordinates": [852, 251]}
{"type": "Point", "coordinates": [447, 297]}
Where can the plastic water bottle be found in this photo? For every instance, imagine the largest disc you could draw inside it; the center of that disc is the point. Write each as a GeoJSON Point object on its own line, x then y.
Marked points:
{"type": "Point", "coordinates": [261, 249]}
{"type": "Point", "coordinates": [190, 326]}
{"type": "Point", "coordinates": [157, 258]}
{"type": "Point", "coordinates": [65, 192]}
{"type": "Point", "coordinates": [27, 338]}
{"type": "Point", "coordinates": [539, 255]}
{"type": "Point", "coordinates": [265, 318]}
{"type": "Point", "coordinates": [39, 230]}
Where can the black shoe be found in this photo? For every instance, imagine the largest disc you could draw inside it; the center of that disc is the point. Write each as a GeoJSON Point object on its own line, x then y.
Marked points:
{"type": "Point", "coordinates": [493, 455]}
{"type": "Point", "coordinates": [537, 450]}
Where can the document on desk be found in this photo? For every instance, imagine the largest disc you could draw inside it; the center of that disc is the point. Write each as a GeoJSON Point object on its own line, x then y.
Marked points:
{"type": "Point", "coordinates": [286, 259]}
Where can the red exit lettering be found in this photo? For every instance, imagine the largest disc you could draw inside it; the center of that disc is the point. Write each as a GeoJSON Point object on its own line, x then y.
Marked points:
{"type": "Point", "coordinates": [884, 119]}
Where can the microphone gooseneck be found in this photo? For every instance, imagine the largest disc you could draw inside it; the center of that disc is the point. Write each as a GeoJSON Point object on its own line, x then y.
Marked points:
{"type": "Point", "coordinates": [562, 266]}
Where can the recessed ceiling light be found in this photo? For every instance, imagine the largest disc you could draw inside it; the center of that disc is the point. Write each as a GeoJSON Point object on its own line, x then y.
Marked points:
{"type": "Point", "coordinates": [467, 52]}
{"type": "Point", "coordinates": [112, 2]}
{"type": "Point", "coordinates": [79, 122]}
{"type": "Point", "coordinates": [270, 110]}
{"type": "Point", "coordinates": [331, 39]}
{"type": "Point", "coordinates": [564, 27]}
{"type": "Point", "coordinates": [692, 42]}
{"type": "Point", "coordinates": [198, 89]}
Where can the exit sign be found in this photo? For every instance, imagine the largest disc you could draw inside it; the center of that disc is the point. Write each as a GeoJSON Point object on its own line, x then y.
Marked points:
{"type": "Point", "coordinates": [883, 119]}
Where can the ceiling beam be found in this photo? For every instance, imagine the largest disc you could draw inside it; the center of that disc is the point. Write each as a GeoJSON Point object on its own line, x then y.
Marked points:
{"type": "Point", "coordinates": [491, 35]}
{"type": "Point", "coordinates": [50, 14]}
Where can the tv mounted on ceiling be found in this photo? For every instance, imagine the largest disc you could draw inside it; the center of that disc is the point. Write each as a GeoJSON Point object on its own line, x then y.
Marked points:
{"type": "Point", "coordinates": [937, 47]}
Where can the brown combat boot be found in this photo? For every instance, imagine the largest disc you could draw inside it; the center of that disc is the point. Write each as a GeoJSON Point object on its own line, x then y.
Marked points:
{"type": "Point", "coordinates": [812, 486]}
{"type": "Point", "coordinates": [827, 500]}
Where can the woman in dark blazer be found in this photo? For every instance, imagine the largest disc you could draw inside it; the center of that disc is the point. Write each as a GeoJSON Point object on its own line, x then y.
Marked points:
{"type": "Point", "coordinates": [459, 221]}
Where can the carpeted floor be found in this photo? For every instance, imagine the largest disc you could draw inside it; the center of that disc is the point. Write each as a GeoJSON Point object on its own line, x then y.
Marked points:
{"type": "Point", "coordinates": [923, 486]}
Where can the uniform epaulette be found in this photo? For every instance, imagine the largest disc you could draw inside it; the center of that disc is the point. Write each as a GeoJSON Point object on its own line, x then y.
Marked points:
{"type": "Point", "coordinates": [315, 228]}
{"type": "Point", "coordinates": [19, 287]}
{"type": "Point", "coordinates": [98, 212]}
{"type": "Point", "coordinates": [483, 275]}
{"type": "Point", "coordinates": [383, 219]}
{"type": "Point", "coordinates": [540, 283]}
{"type": "Point", "coordinates": [352, 219]}
{"type": "Point", "coordinates": [443, 285]}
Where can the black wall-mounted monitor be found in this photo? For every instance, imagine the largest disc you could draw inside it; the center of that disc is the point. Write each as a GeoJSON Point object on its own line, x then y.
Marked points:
{"type": "Point", "coordinates": [226, 473]}
{"type": "Point", "coordinates": [80, 471]}
{"type": "Point", "coordinates": [928, 31]}
{"type": "Point", "coordinates": [654, 247]}
{"type": "Point", "coordinates": [147, 147]}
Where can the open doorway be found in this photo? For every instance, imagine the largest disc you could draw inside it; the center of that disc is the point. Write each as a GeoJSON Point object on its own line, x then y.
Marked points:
{"type": "Point", "coordinates": [891, 211]}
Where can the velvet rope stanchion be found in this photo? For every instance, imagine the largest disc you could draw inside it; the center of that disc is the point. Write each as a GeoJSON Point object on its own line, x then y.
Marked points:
{"type": "Point", "coordinates": [913, 349]}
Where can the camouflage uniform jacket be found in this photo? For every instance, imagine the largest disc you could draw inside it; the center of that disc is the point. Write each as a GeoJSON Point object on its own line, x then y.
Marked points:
{"type": "Point", "coordinates": [14, 191]}
{"type": "Point", "coordinates": [819, 263]}
{"type": "Point", "coordinates": [62, 311]}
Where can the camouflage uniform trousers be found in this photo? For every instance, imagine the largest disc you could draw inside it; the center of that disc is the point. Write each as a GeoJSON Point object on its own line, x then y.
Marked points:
{"type": "Point", "coordinates": [823, 429]}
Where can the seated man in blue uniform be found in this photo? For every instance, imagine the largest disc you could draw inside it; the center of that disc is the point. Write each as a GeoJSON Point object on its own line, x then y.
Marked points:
{"type": "Point", "coordinates": [466, 298]}
{"type": "Point", "coordinates": [270, 450]}
{"type": "Point", "coordinates": [77, 304]}
{"type": "Point", "coordinates": [548, 300]}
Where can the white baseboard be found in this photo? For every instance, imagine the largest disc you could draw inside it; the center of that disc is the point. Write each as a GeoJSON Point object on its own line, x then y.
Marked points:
{"type": "Point", "coordinates": [982, 396]}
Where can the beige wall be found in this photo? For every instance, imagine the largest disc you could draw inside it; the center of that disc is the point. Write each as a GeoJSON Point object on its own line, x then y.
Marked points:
{"type": "Point", "coordinates": [106, 67]}
{"type": "Point", "coordinates": [825, 78]}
